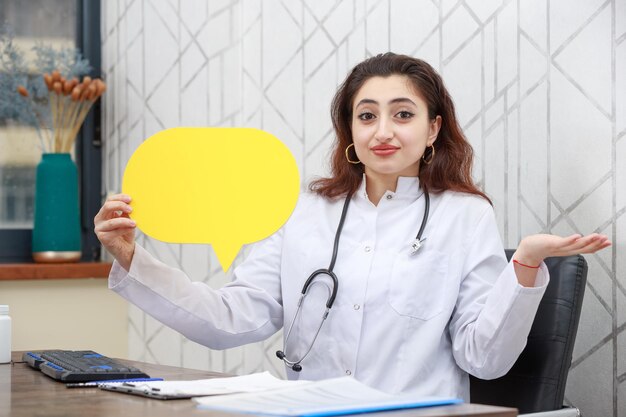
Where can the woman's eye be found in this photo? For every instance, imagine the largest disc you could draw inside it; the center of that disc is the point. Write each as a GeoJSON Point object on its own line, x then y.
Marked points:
{"type": "Point", "coordinates": [405, 114]}
{"type": "Point", "coordinates": [366, 116]}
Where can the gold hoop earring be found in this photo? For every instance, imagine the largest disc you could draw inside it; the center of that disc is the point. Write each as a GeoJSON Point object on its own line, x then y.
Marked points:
{"type": "Point", "coordinates": [348, 156]}
{"type": "Point", "coordinates": [432, 155]}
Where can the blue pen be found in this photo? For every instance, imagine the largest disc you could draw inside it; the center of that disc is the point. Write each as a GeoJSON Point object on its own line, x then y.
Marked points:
{"type": "Point", "coordinates": [94, 384]}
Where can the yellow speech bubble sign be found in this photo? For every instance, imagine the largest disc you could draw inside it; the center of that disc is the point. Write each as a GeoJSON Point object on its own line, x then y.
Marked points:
{"type": "Point", "coordinates": [223, 186]}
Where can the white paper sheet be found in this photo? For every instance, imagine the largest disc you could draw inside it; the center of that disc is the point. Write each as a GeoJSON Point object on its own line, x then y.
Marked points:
{"type": "Point", "coordinates": [337, 396]}
{"type": "Point", "coordinates": [215, 386]}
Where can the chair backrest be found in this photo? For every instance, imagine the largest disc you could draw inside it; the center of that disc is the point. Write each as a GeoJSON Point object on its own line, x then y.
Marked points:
{"type": "Point", "coordinates": [537, 380]}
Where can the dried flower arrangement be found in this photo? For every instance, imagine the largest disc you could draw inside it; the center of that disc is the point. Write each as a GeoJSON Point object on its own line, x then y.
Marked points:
{"type": "Point", "coordinates": [70, 101]}
{"type": "Point", "coordinates": [46, 94]}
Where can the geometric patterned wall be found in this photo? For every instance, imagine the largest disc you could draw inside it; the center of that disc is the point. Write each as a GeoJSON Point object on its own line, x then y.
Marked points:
{"type": "Point", "coordinates": [540, 90]}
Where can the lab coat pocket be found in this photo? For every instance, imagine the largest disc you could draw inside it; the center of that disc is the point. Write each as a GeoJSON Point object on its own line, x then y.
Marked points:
{"type": "Point", "coordinates": [417, 284]}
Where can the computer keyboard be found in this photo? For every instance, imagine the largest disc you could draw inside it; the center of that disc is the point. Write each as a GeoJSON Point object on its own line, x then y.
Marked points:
{"type": "Point", "coordinates": [80, 366]}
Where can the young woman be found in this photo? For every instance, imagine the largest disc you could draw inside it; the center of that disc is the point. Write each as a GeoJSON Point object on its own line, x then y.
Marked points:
{"type": "Point", "coordinates": [414, 282]}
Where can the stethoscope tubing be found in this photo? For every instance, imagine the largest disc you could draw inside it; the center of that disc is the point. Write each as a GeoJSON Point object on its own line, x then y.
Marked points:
{"type": "Point", "coordinates": [295, 365]}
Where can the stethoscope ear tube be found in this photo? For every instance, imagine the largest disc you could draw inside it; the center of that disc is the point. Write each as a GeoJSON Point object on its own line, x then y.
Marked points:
{"type": "Point", "coordinates": [295, 365]}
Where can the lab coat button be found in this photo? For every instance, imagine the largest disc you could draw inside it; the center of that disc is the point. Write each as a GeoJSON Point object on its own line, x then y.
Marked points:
{"type": "Point", "coordinates": [389, 196]}
{"type": "Point", "coordinates": [357, 307]}
{"type": "Point", "coordinates": [367, 249]}
{"type": "Point", "coordinates": [348, 372]}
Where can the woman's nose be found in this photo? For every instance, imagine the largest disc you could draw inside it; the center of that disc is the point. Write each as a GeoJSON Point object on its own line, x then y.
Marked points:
{"type": "Point", "coordinates": [384, 132]}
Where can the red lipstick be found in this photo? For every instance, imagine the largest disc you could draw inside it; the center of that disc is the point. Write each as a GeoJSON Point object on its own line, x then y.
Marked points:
{"type": "Point", "coordinates": [384, 150]}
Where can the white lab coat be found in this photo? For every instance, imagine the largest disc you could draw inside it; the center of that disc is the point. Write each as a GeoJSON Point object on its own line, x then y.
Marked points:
{"type": "Point", "coordinates": [400, 323]}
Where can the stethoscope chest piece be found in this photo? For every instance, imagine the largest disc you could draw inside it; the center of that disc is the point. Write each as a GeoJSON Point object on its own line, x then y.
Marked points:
{"type": "Point", "coordinates": [417, 245]}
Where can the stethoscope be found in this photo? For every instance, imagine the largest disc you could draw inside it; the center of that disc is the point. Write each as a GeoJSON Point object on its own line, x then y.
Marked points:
{"type": "Point", "coordinates": [415, 246]}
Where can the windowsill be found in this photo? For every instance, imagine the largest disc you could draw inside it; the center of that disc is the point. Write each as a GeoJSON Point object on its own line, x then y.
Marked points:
{"type": "Point", "coordinates": [54, 271]}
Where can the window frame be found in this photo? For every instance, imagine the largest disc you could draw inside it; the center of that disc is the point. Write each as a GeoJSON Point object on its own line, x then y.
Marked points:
{"type": "Point", "coordinates": [16, 244]}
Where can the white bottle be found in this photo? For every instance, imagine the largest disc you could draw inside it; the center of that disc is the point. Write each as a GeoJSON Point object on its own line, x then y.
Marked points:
{"type": "Point", "coordinates": [5, 334]}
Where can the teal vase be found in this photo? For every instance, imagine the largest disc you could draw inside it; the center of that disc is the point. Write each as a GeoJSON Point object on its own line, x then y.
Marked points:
{"type": "Point", "coordinates": [56, 232]}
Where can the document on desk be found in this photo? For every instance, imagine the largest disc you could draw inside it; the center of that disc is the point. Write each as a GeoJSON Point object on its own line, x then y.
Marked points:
{"type": "Point", "coordinates": [331, 397]}
{"type": "Point", "coordinates": [165, 390]}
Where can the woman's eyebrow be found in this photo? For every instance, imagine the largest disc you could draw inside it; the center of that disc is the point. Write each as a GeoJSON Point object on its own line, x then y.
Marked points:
{"type": "Point", "coordinates": [393, 101]}
{"type": "Point", "coordinates": [402, 100]}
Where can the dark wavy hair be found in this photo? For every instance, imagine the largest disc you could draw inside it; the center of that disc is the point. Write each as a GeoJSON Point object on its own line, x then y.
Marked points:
{"type": "Point", "coordinates": [451, 167]}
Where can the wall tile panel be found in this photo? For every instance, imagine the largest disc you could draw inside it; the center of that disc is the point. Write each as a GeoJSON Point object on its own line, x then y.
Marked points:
{"type": "Point", "coordinates": [539, 88]}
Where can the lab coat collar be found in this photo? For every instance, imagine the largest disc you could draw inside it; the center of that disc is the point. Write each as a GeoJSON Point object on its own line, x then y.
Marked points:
{"type": "Point", "coordinates": [406, 188]}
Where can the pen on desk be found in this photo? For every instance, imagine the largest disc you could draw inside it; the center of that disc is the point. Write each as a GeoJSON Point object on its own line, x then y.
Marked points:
{"type": "Point", "coordinates": [94, 384]}
{"type": "Point", "coordinates": [128, 384]}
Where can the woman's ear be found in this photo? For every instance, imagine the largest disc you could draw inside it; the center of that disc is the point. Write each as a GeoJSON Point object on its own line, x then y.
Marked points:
{"type": "Point", "coordinates": [435, 126]}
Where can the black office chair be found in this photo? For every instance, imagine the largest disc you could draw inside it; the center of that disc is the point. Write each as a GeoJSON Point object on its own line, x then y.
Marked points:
{"type": "Point", "coordinates": [536, 383]}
